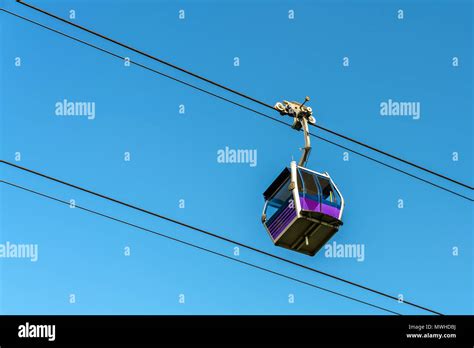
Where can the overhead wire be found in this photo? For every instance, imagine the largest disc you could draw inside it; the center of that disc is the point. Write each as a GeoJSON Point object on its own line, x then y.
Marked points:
{"type": "Point", "coordinates": [199, 247]}
{"type": "Point", "coordinates": [240, 105]}
{"type": "Point", "coordinates": [231, 90]}
{"type": "Point", "coordinates": [233, 102]}
{"type": "Point", "coordinates": [206, 232]}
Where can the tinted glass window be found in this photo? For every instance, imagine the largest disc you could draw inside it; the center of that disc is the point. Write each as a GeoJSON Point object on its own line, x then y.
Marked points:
{"type": "Point", "coordinates": [279, 200]}
{"type": "Point", "coordinates": [309, 185]}
{"type": "Point", "coordinates": [326, 189]}
{"type": "Point", "coordinates": [328, 193]}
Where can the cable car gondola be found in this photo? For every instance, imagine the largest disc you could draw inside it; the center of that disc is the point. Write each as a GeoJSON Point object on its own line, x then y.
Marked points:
{"type": "Point", "coordinates": [303, 208]}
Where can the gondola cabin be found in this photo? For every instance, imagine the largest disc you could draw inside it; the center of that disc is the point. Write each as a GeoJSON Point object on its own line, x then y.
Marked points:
{"type": "Point", "coordinates": [303, 209]}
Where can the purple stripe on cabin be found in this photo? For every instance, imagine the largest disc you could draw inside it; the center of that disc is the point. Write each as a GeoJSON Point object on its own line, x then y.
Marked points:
{"type": "Point", "coordinates": [284, 223]}
{"type": "Point", "coordinates": [280, 218]}
{"type": "Point", "coordinates": [277, 231]}
{"type": "Point", "coordinates": [311, 205]}
{"type": "Point", "coordinates": [281, 222]}
{"type": "Point", "coordinates": [330, 210]}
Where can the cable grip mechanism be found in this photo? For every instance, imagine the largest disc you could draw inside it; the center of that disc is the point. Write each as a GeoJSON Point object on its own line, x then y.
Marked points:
{"type": "Point", "coordinates": [302, 116]}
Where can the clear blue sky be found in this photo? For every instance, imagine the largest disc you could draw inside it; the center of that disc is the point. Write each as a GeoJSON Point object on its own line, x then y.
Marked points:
{"type": "Point", "coordinates": [174, 156]}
